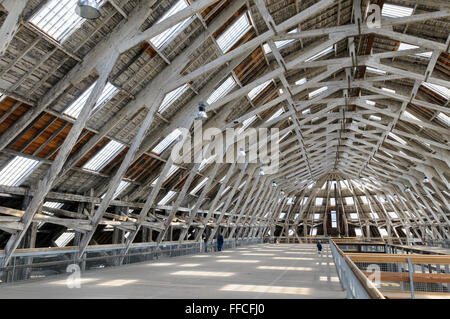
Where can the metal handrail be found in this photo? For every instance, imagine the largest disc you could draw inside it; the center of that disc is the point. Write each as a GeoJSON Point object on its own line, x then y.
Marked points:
{"type": "Point", "coordinates": [357, 285]}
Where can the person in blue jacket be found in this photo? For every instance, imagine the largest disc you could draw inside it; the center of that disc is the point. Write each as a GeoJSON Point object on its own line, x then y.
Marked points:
{"type": "Point", "coordinates": [219, 242]}
{"type": "Point", "coordinates": [319, 248]}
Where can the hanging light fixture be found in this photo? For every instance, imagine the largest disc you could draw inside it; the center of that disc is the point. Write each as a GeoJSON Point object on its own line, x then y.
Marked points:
{"type": "Point", "coordinates": [88, 9]}
{"type": "Point", "coordinates": [261, 172]}
{"type": "Point", "coordinates": [274, 184]}
{"type": "Point", "coordinates": [407, 189]}
{"type": "Point", "coordinates": [201, 115]}
{"type": "Point", "coordinates": [426, 180]}
{"type": "Point", "coordinates": [395, 196]}
{"type": "Point", "coordinates": [282, 192]}
{"type": "Point", "coordinates": [241, 152]}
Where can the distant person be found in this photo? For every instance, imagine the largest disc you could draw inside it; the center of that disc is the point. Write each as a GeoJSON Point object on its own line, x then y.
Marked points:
{"type": "Point", "coordinates": [205, 240]}
{"type": "Point", "coordinates": [219, 242]}
{"type": "Point", "coordinates": [319, 248]}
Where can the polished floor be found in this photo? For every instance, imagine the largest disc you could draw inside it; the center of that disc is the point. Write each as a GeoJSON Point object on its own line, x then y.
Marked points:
{"type": "Point", "coordinates": [260, 271]}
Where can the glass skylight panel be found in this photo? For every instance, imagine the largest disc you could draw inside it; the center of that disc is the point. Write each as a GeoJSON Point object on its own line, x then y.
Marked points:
{"type": "Point", "coordinates": [225, 190]}
{"type": "Point", "coordinates": [407, 115]}
{"type": "Point", "coordinates": [167, 198]}
{"type": "Point", "coordinates": [301, 81]}
{"type": "Point", "coordinates": [395, 11]}
{"type": "Point", "coordinates": [172, 97]}
{"type": "Point", "coordinates": [349, 200]}
{"type": "Point", "coordinates": [374, 215]}
{"type": "Point", "coordinates": [58, 18]}
{"type": "Point", "coordinates": [2, 97]}
{"type": "Point", "coordinates": [406, 46]}
{"type": "Point", "coordinates": [370, 102]}
{"type": "Point", "coordinates": [205, 162]}
{"type": "Point", "coordinates": [364, 199]}
{"type": "Point", "coordinates": [320, 54]}
{"type": "Point", "coordinates": [319, 201]}
{"type": "Point", "coordinates": [393, 214]}
{"type": "Point", "coordinates": [375, 118]}
{"type": "Point", "coordinates": [105, 155]}
{"type": "Point", "coordinates": [222, 90]}
{"type": "Point", "coordinates": [332, 202]}
{"type": "Point", "coordinates": [75, 108]}
{"type": "Point", "coordinates": [168, 35]}
{"type": "Point", "coordinates": [313, 231]}
{"type": "Point", "coordinates": [374, 70]}
{"type": "Point", "coordinates": [248, 122]}
{"type": "Point", "coordinates": [358, 232]}
{"type": "Point", "coordinates": [64, 239]}
{"type": "Point", "coordinates": [282, 215]}
{"type": "Point", "coordinates": [279, 44]}
{"type": "Point", "coordinates": [234, 33]}
{"type": "Point", "coordinates": [284, 136]}
{"type": "Point", "coordinates": [242, 185]}
{"type": "Point", "coordinates": [388, 90]}
{"type": "Point", "coordinates": [383, 232]}
{"type": "Point", "coordinates": [199, 186]}
{"type": "Point", "coordinates": [316, 216]}
{"type": "Point", "coordinates": [171, 171]}
{"type": "Point", "coordinates": [120, 189]}
{"type": "Point", "coordinates": [50, 205]}
{"type": "Point", "coordinates": [318, 91]}
{"type": "Point", "coordinates": [333, 219]}
{"type": "Point", "coordinates": [166, 142]}
{"type": "Point", "coordinates": [257, 90]}
{"type": "Point", "coordinates": [441, 90]}
{"type": "Point", "coordinates": [277, 114]}
{"type": "Point", "coordinates": [353, 216]}
{"type": "Point", "coordinates": [397, 138]}
{"type": "Point", "coordinates": [444, 118]}
{"type": "Point", "coordinates": [17, 170]}
{"type": "Point", "coordinates": [307, 111]}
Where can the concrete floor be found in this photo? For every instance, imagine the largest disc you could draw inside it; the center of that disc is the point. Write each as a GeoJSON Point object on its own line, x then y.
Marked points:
{"type": "Point", "coordinates": [261, 271]}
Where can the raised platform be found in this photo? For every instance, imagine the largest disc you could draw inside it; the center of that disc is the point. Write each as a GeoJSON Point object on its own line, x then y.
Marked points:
{"type": "Point", "coordinates": [262, 271]}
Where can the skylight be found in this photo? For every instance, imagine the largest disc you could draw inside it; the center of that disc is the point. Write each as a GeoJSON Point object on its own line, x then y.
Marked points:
{"type": "Point", "coordinates": [172, 97]}
{"type": "Point", "coordinates": [375, 118]}
{"type": "Point", "coordinates": [358, 232]}
{"type": "Point", "coordinates": [167, 198]}
{"type": "Point", "coordinates": [313, 231]}
{"type": "Point", "coordinates": [166, 142]}
{"type": "Point", "coordinates": [199, 186]}
{"type": "Point", "coordinates": [17, 170]}
{"type": "Point", "coordinates": [2, 97]}
{"type": "Point", "coordinates": [333, 219]}
{"type": "Point", "coordinates": [319, 201]}
{"type": "Point", "coordinates": [349, 200]}
{"type": "Point", "coordinates": [162, 39]}
{"type": "Point", "coordinates": [320, 54]}
{"type": "Point", "coordinates": [105, 155]}
{"type": "Point", "coordinates": [370, 102]}
{"type": "Point", "coordinates": [58, 18]}
{"type": "Point", "coordinates": [407, 115]}
{"type": "Point", "coordinates": [374, 215]}
{"type": "Point", "coordinates": [374, 70]}
{"type": "Point", "coordinates": [248, 122]}
{"type": "Point", "coordinates": [277, 114]}
{"type": "Point", "coordinates": [234, 33]}
{"type": "Point", "coordinates": [397, 138]}
{"type": "Point", "coordinates": [406, 46]}
{"type": "Point", "coordinates": [225, 190]}
{"type": "Point", "coordinates": [393, 214]}
{"type": "Point", "coordinates": [64, 239]}
{"type": "Point", "coordinates": [205, 162]}
{"type": "Point", "coordinates": [353, 216]}
{"type": "Point", "coordinates": [171, 171]}
{"type": "Point", "coordinates": [444, 118]}
{"type": "Point", "coordinates": [388, 90]}
{"type": "Point", "coordinates": [318, 91]}
{"type": "Point", "coordinates": [121, 188]}
{"type": "Point", "coordinates": [394, 11]}
{"type": "Point", "coordinates": [257, 90]}
{"type": "Point", "coordinates": [316, 216]}
{"type": "Point", "coordinates": [222, 90]}
{"type": "Point", "coordinates": [75, 108]}
{"type": "Point", "coordinates": [364, 199]}
{"type": "Point", "coordinates": [441, 90]}
{"type": "Point", "coordinates": [301, 81]}
{"type": "Point", "coordinates": [280, 44]}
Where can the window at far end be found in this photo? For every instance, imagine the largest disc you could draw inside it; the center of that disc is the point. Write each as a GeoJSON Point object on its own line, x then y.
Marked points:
{"type": "Point", "coordinates": [233, 33]}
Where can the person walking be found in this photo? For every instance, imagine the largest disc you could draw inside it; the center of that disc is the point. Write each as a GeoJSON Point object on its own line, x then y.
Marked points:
{"type": "Point", "coordinates": [219, 242]}
{"type": "Point", "coordinates": [205, 240]}
{"type": "Point", "coordinates": [319, 248]}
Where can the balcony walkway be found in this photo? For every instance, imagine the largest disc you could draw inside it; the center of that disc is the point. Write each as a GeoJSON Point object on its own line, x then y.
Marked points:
{"type": "Point", "coordinates": [259, 271]}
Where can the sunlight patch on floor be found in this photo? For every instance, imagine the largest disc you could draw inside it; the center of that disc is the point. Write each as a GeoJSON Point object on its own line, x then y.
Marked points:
{"type": "Point", "coordinates": [203, 273]}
